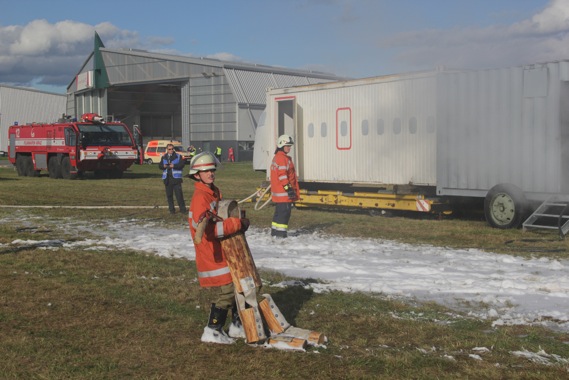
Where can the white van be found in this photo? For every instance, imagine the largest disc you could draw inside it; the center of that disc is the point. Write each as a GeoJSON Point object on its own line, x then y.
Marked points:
{"type": "Point", "coordinates": [157, 148]}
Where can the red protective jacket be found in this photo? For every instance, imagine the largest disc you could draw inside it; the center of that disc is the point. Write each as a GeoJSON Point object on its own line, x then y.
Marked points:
{"type": "Point", "coordinates": [210, 260]}
{"type": "Point", "coordinates": [283, 173]}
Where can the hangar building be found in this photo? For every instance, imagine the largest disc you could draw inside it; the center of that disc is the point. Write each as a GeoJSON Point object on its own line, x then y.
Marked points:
{"type": "Point", "coordinates": [198, 101]}
{"type": "Point", "coordinates": [25, 106]}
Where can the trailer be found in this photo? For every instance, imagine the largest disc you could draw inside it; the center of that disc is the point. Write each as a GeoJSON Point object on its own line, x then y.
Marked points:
{"type": "Point", "coordinates": [428, 141]}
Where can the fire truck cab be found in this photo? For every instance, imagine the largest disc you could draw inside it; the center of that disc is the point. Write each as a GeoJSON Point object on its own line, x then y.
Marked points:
{"type": "Point", "coordinates": [68, 149]}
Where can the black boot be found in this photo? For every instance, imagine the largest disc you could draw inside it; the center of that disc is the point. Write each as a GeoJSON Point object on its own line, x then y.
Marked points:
{"type": "Point", "coordinates": [213, 332]}
{"type": "Point", "coordinates": [236, 328]}
{"type": "Point", "coordinates": [217, 318]}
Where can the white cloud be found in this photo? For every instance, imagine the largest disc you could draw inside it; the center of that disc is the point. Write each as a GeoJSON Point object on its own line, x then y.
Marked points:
{"type": "Point", "coordinates": [226, 57]}
{"type": "Point", "coordinates": [39, 38]}
{"type": "Point", "coordinates": [553, 19]}
{"type": "Point", "coordinates": [44, 53]}
{"type": "Point", "coordinates": [543, 37]}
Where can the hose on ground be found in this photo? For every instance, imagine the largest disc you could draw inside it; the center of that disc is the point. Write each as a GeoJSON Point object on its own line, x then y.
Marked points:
{"type": "Point", "coordinates": [259, 194]}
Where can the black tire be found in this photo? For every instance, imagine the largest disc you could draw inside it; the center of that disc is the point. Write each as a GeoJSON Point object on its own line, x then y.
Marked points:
{"type": "Point", "coordinates": [53, 167]}
{"type": "Point", "coordinates": [149, 161]}
{"type": "Point", "coordinates": [101, 174]}
{"type": "Point", "coordinates": [20, 161]}
{"type": "Point", "coordinates": [28, 166]}
{"type": "Point", "coordinates": [116, 173]}
{"type": "Point", "coordinates": [65, 168]}
{"type": "Point", "coordinates": [505, 206]}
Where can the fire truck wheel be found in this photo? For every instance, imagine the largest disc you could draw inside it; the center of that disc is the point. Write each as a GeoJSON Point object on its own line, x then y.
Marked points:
{"type": "Point", "coordinates": [66, 168]}
{"type": "Point", "coordinates": [53, 167]}
{"type": "Point", "coordinates": [116, 173]}
{"type": "Point", "coordinates": [20, 166]}
{"type": "Point", "coordinates": [28, 166]}
{"type": "Point", "coordinates": [100, 174]}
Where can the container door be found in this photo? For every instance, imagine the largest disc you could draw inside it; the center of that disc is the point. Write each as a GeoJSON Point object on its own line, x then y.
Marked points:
{"type": "Point", "coordinates": [286, 123]}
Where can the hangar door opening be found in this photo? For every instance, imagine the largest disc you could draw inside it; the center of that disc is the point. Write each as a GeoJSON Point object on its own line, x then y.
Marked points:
{"type": "Point", "coordinates": [161, 126]}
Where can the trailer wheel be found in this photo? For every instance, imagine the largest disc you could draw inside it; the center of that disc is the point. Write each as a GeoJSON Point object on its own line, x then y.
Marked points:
{"type": "Point", "coordinates": [53, 168]}
{"type": "Point", "coordinates": [66, 168]}
{"type": "Point", "coordinates": [149, 161]}
{"type": "Point", "coordinates": [505, 206]}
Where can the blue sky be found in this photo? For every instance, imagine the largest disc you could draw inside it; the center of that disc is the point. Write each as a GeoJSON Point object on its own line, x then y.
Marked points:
{"type": "Point", "coordinates": [43, 43]}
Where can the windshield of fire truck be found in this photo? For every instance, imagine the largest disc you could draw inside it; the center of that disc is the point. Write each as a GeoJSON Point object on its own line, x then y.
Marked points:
{"type": "Point", "coordinates": [105, 134]}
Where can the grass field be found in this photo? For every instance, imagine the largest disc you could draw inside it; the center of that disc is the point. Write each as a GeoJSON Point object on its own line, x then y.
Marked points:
{"type": "Point", "coordinates": [93, 314]}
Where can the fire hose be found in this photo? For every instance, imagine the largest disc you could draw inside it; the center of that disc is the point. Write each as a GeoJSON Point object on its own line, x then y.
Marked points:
{"type": "Point", "coordinates": [260, 194]}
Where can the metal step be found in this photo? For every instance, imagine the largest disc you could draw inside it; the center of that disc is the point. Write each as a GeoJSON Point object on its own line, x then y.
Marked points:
{"type": "Point", "coordinates": [553, 214]}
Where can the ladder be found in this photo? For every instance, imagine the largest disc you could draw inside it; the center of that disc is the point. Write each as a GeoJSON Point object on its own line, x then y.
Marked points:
{"type": "Point", "coordinates": [553, 214]}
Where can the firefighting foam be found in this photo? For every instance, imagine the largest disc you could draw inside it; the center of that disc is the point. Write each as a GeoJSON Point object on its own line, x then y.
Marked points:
{"type": "Point", "coordinates": [503, 288]}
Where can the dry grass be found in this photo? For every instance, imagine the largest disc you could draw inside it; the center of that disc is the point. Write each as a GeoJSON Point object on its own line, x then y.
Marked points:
{"type": "Point", "coordinates": [101, 315]}
{"type": "Point", "coordinates": [88, 314]}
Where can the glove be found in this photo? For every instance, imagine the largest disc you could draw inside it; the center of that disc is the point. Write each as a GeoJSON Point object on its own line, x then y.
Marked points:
{"type": "Point", "coordinates": [244, 224]}
{"type": "Point", "coordinates": [291, 193]}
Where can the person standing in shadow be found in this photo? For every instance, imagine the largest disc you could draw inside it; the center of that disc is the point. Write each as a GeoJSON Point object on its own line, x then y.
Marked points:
{"type": "Point", "coordinates": [172, 165]}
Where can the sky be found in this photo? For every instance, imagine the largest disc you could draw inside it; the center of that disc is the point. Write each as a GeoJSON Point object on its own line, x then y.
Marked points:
{"type": "Point", "coordinates": [43, 44]}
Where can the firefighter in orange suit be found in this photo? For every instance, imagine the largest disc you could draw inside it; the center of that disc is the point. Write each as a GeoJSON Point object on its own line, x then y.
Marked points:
{"type": "Point", "coordinates": [213, 271]}
{"type": "Point", "coordinates": [284, 186]}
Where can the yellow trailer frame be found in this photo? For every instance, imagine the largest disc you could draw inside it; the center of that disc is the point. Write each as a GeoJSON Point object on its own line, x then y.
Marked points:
{"type": "Point", "coordinates": [384, 201]}
{"type": "Point", "coordinates": [366, 200]}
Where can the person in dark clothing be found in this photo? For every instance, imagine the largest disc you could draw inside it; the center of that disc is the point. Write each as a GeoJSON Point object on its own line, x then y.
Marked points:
{"type": "Point", "coordinates": [172, 165]}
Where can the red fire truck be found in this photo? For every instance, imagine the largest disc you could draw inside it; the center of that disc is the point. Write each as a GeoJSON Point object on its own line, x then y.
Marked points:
{"type": "Point", "coordinates": [70, 148]}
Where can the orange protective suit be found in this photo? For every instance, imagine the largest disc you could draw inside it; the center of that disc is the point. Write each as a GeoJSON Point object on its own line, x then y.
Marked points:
{"type": "Point", "coordinates": [210, 260]}
{"type": "Point", "coordinates": [283, 173]}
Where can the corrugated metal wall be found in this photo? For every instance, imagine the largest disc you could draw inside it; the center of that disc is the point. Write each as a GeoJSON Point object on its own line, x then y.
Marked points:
{"type": "Point", "coordinates": [213, 114]}
{"type": "Point", "coordinates": [250, 87]}
{"type": "Point", "coordinates": [502, 126]}
{"type": "Point", "coordinates": [27, 106]}
{"type": "Point", "coordinates": [125, 67]}
{"type": "Point", "coordinates": [91, 101]}
{"type": "Point", "coordinates": [185, 106]}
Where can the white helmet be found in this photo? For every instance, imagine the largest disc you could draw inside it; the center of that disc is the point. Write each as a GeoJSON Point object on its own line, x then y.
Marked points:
{"type": "Point", "coordinates": [284, 140]}
{"type": "Point", "coordinates": [202, 162]}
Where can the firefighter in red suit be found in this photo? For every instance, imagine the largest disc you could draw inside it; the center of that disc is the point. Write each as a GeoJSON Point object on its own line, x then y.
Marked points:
{"type": "Point", "coordinates": [284, 186]}
{"type": "Point", "coordinates": [213, 271]}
